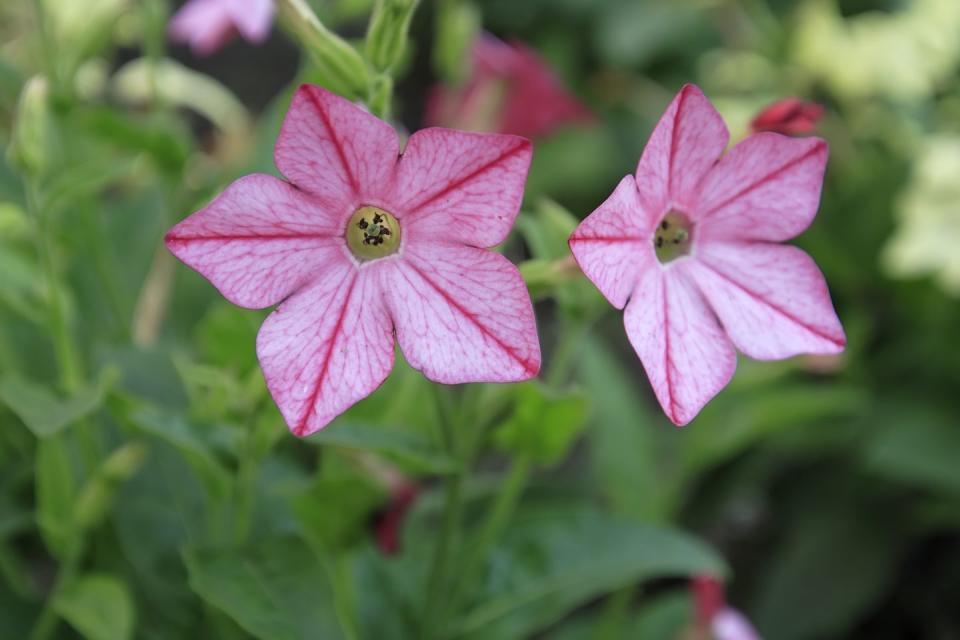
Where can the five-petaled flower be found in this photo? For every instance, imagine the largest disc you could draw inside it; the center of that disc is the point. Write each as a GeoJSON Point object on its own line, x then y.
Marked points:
{"type": "Point", "coordinates": [790, 116]}
{"type": "Point", "coordinates": [713, 617]}
{"type": "Point", "coordinates": [689, 245]}
{"type": "Point", "coordinates": [207, 25]}
{"type": "Point", "coordinates": [511, 89]}
{"type": "Point", "coordinates": [364, 244]}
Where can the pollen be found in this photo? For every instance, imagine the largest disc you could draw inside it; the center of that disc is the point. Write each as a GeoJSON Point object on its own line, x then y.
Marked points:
{"type": "Point", "coordinates": [372, 233]}
{"type": "Point", "coordinates": [672, 237]}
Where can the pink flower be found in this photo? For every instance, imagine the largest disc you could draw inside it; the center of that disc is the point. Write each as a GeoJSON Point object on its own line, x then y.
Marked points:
{"type": "Point", "coordinates": [790, 116]}
{"type": "Point", "coordinates": [690, 242]}
{"type": "Point", "coordinates": [207, 25]}
{"type": "Point", "coordinates": [511, 90]}
{"type": "Point", "coordinates": [713, 617]}
{"type": "Point", "coordinates": [388, 524]}
{"type": "Point", "coordinates": [363, 244]}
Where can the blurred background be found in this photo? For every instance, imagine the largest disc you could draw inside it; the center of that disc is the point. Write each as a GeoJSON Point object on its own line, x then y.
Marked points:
{"type": "Point", "coordinates": [149, 484]}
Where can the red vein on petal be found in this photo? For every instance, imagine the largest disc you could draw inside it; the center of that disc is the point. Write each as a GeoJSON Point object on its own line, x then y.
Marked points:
{"type": "Point", "coordinates": [456, 184]}
{"type": "Point", "coordinates": [277, 236]}
{"type": "Point", "coordinates": [606, 239]}
{"type": "Point", "coordinates": [333, 139]}
{"type": "Point", "coordinates": [765, 179]}
{"type": "Point", "coordinates": [301, 427]}
{"type": "Point", "coordinates": [761, 300]}
{"type": "Point", "coordinates": [526, 364]}
{"type": "Point", "coordinates": [673, 141]}
{"type": "Point", "coordinates": [667, 360]}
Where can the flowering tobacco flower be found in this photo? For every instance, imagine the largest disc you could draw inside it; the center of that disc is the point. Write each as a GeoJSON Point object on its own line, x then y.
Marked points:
{"type": "Point", "coordinates": [207, 25]}
{"type": "Point", "coordinates": [714, 619]}
{"type": "Point", "coordinates": [388, 524]}
{"type": "Point", "coordinates": [511, 90]}
{"type": "Point", "coordinates": [790, 116]}
{"type": "Point", "coordinates": [363, 244]}
{"type": "Point", "coordinates": [691, 242]}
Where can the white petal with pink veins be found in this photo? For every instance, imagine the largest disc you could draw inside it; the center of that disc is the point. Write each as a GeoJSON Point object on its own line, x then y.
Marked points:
{"type": "Point", "coordinates": [684, 351]}
{"type": "Point", "coordinates": [258, 241]}
{"type": "Point", "coordinates": [457, 186]}
{"type": "Point", "coordinates": [766, 188]}
{"type": "Point", "coordinates": [336, 150]}
{"type": "Point", "coordinates": [615, 243]}
{"type": "Point", "coordinates": [327, 347]}
{"type": "Point", "coordinates": [463, 315]}
{"type": "Point", "coordinates": [772, 299]}
{"type": "Point", "coordinates": [683, 147]}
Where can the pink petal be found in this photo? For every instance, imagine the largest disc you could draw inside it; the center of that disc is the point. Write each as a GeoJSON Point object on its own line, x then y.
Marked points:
{"type": "Point", "coordinates": [730, 624]}
{"type": "Point", "coordinates": [327, 347]}
{"type": "Point", "coordinates": [613, 245]}
{"type": "Point", "coordinates": [684, 351]}
{"type": "Point", "coordinates": [686, 143]}
{"type": "Point", "coordinates": [463, 315]}
{"type": "Point", "coordinates": [205, 25]}
{"type": "Point", "coordinates": [258, 241]}
{"type": "Point", "coordinates": [454, 186]}
{"type": "Point", "coordinates": [766, 188]}
{"type": "Point", "coordinates": [772, 299]}
{"type": "Point", "coordinates": [253, 18]}
{"type": "Point", "coordinates": [336, 150]}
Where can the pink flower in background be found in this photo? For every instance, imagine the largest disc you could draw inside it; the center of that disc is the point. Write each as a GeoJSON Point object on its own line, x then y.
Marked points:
{"type": "Point", "coordinates": [713, 617]}
{"type": "Point", "coordinates": [511, 89]}
{"type": "Point", "coordinates": [689, 246]}
{"type": "Point", "coordinates": [207, 25]}
{"type": "Point", "coordinates": [389, 524]}
{"type": "Point", "coordinates": [363, 244]}
{"type": "Point", "coordinates": [790, 116]}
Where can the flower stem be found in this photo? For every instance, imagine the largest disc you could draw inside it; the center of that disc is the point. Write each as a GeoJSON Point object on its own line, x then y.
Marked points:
{"type": "Point", "coordinates": [502, 508]}
{"type": "Point", "coordinates": [46, 623]}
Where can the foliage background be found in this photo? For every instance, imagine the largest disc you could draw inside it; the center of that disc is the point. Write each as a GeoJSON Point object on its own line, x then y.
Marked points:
{"type": "Point", "coordinates": [149, 489]}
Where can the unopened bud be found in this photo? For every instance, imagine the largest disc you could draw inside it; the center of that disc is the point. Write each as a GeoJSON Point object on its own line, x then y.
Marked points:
{"type": "Point", "coordinates": [387, 33]}
{"type": "Point", "coordinates": [31, 146]}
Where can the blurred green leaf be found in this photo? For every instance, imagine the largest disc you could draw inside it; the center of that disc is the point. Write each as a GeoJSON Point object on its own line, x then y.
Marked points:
{"type": "Point", "coordinates": [542, 427]}
{"type": "Point", "coordinates": [45, 413]}
{"type": "Point", "coordinates": [335, 511]}
{"type": "Point", "coordinates": [184, 436]}
{"type": "Point", "coordinates": [624, 448]}
{"type": "Point", "coordinates": [404, 447]}
{"type": "Point", "coordinates": [553, 560]}
{"type": "Point", "coordinates": [97, 496]}
{"type": "Point", "coordinates": [276, 590]}
{"type": "Point", "coordinates": [98, 606]}
{"type": "Point", "coordinates": [915, 445]}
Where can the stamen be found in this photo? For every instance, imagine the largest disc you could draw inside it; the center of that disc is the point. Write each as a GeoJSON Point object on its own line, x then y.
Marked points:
{"type": "Point", "coordinates": [372, 233]}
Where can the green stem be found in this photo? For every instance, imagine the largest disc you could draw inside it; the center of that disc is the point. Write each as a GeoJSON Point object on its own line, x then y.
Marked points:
{"type": "Point", "coordinates": [46, 623]}
{"type": "Point", "coordinates": [499, 514]}
{"type": "Point", "coordinates": [343, 601]}
{"type": "Point", "coordinates": [63, 345]}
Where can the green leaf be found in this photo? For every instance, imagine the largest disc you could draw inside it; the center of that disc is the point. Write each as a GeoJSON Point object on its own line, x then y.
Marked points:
{"type": "Point", "coordinates": [623, 441]}
{"type": "Point", "coordinates": [404, 447]}
{"type": "Point", "coordinates": [333, 512]}
{"type": "Point", "coordinates": [99, 607]}
{"type": "Point", "coordinates": [555, 560]}
{"type": "Point", "coordinates": [185, 437]}
{"type": "Point", "coordinates": [98, 494]}
{"type": "Point", "coordinates": [277, 590]}
{"type": "Point", "coordinates": [542, 427]}
{"type": "Point", "coordinates": [916, 445]}
{"type": "Point", "coordinates": [44, 413]}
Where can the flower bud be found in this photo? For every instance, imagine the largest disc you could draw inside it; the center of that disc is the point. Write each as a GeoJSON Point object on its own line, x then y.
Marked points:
{"type": "Point", "coordinates": [97, 496]}
{"type": "Point", "coordinates": [387, 33]}
{"type": "Point", "coordinates": [341, 66]}
{"type": "Point", "coordinates": [32, 140]}
{"type": "Point", "coordinates": [458, 24]}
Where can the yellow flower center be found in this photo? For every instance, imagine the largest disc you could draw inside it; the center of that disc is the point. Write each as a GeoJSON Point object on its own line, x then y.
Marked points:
{"type": "Point", "coordinates": [672, 238]}
{"type": "Point", "coordinates": [373, 233]}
